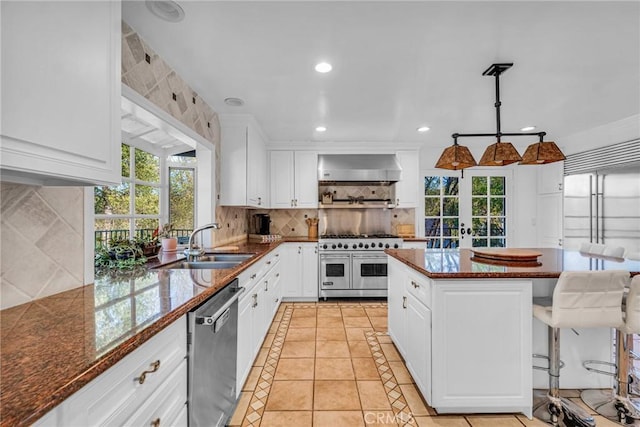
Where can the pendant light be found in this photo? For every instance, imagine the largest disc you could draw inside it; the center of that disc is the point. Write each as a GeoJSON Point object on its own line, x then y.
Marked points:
{"type": "Point", "coordinates": [500, 153]}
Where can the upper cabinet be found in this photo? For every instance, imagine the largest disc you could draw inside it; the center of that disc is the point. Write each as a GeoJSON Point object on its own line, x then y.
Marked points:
{"type": "Point", "coordinates": [61, 92]}
{"type": "Point", "coordinates": [294, 179]}
{"type": "Point", "coordinates": [408, 188]}
{"type": "Point", "coordinates": [550, 178]}
{"type": "Point", "coordinates": [243, 166]}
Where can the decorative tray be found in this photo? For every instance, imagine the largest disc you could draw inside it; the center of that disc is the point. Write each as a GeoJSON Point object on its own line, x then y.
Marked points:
{"type": "Point", "coordinates": [507, 256]}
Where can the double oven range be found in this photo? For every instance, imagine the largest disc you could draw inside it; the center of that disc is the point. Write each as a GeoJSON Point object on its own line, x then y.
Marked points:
{"type": "Point", "coordinates": [354, 265]}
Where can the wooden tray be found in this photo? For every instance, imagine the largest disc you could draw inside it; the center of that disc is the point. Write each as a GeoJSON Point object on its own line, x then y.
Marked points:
{"type": "Point", "coordinates": [508, 256]}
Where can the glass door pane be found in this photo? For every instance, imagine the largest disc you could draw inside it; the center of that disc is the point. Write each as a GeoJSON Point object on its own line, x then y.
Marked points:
{"type": "Point", "coordinates": [442, 211]}
{"type": "Point", "coordinates": [484, 200]}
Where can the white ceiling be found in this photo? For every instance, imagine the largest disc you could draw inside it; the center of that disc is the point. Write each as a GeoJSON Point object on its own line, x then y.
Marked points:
{"type": "Point", "coordinates": [399, 65]}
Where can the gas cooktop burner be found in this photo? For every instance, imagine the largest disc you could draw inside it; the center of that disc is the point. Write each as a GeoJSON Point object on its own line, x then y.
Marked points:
{"type": "Point", "coordinates": [358, 236]}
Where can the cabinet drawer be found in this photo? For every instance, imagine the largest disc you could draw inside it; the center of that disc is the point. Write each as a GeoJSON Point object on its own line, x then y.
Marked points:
{"type": "Point", "coordinates": [115, 395]}
{"type": "Point", "coordinates": [419, 287]}
{"type": "Point", "coordinates": [166, 403]}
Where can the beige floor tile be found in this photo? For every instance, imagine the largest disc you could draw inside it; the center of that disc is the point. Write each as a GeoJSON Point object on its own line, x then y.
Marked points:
{"type": "Point", "coordinates": [295, 369]}
{"type": "Point", "coordinates": [384, 339]}
{"type": "Point", "coordinates": [261, 357]}
{"type": "Point", "coordinates": [356, 322]}
{"type": "Point", "coordinates": [357, 334]}
{"type": "Point", "coordinates": [274, 327]}
{"type": "Point", "coordinates": [303, 322]}
{"type": "Point", "coordinates": [252, 378]}
{"type": "Point", "coordinates": [445, 421]}
{"type": "Point", "coordinates": [335, 396]}
{"type": "Point", "coordinates": [365, 368]}
{"type": "Point", "coordinates": [493, 421]}
{"type": "Point", "coordinates": [290, 396]}
{"type": "Point", "coordinates": [380, 418]}
{"type": "Point", "coordinates": [287, 419]}
{"type": "Point", "coordinates": [241, 409]}
{"type": "Point", "coordinates": [301, 334]}
{"type": "Point", "coordinates": [376, 311]}
{"type": "Point", "coordinates": [330, 334]}
{"type": "Point", "coordinates": [334, 369]}
{"type": "Point", "coordinates": [373, 396]}
{"type": "Point", "coordinates": [330, 312]}
{"type": "Point", "coordinates": [268, 340]}
{"type": "Point", "coordinates": [298, 349]}
{"type": "Point", "coordinates": [379, 322]}
{"type": "Point", "coordinates": [330, 322]}
{"type": "Point", "coordinates": [303, 312]}
{"type": "Point", "coordinates": [359, 349]}
{"type": "Point", "coordinates": [353, 312]}
{"type": "Point", "coordinates": [532, 423]}
{"type": "Point", "coordinates": [401, 373]}
{"type": "Point", "coordinates": [390, 352]}
{"type": "Point", "coordinates": [337, 419]}
{"type": "Point", "coordinates": [332, 349]}
{"type": "Point", "coordinates": [414, 400]}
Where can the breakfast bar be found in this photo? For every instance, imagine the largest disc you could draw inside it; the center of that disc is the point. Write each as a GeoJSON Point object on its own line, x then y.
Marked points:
{"type": "Point", "coordinates": [466, 332]}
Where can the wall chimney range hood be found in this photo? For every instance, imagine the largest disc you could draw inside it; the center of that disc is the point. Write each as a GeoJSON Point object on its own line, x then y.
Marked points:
{"type": "Point", "coordinates": [352, 169]}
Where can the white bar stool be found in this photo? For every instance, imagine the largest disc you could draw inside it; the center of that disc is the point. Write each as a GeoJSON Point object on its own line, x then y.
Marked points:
{"type": "Point", "coordinates": [616, 404]}
{"type": "Point", "coordinates": [589, 299]}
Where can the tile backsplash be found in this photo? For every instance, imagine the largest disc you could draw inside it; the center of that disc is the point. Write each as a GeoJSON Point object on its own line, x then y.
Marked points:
{"type": "Point", "coordinates": [41, 242]}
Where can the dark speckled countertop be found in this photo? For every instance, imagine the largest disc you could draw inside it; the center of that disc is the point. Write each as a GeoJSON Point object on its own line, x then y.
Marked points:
{"type": "Point", "coordinates": [457, 264]}
{"type": "Point", "coordinates": [52, 347]}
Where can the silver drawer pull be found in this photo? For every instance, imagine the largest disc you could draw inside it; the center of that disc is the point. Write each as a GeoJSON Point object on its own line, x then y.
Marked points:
{"type": "Point", "coordinates": [253, 276]}
{"type": "Point", "coordinates": [415, 285]}
{"type": "Point", "coordinates": [154, 368]}
{"type": "Point", "coordinates": [155, 423]}
{"type": "Point", "coordinates": [277, 274]}
{"type": "Point", "coordinates": [268, 262]}
{"type": "Point", "coordinates": [255, 300]}
{"type": "Point", "coordinates": [404, 302]}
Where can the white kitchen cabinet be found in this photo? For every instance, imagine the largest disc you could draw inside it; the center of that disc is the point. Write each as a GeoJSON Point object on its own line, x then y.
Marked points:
{"type": "Point", "coordinates": [61, 92]}
{"type": "Point", "coordinates": [117, 397]}
{"type": "Point", "coordinates": [294, 179]}
{"type": "Point", "coordinates": [256, 308]}
{"type": "Point", "coordinates": [300, 278]}
{"type": "Point", "coordinates": [243, 169]}
{"type": "Point", "coordinates": [397, 304]}
{"type": "Point", "coordinates": [414, 245]}
{"type": "Point", "coordinates": [550, 178]}
{"type": "Point", "coordinates": [408, 188]}
{"type": "Point", "coordinates": [418, 344]}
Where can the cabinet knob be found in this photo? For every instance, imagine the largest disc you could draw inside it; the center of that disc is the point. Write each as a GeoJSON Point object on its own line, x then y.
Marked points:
{"type": "Point", "coordinates": [415, 285]}
{"type": "Point", "coordinates": [277, 274]}
{"type": "Point", "coordinates": [155, 423]}
{"type": "Point", "coordinates": [253, 276]}
{"type": "Point", "coordinates": [154, 368]}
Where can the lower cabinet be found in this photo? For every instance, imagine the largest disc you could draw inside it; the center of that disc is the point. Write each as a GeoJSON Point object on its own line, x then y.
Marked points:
{"type": "Point", "coordinates": [256, 309]}
{"type": "Point", "coordinates": [148, 385]}
{"type": "Point", "coordinates": [300, 280]}
{"type": "Point", "coordinates": [467, 343]}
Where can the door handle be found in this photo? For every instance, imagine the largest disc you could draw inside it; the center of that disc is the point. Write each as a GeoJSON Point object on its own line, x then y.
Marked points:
{"type": "Point", "coordinates": [404, 302]}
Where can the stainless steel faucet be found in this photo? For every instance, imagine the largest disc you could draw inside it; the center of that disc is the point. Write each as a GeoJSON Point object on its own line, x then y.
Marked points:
{"type": "Point", "coordinates": [192, 253]}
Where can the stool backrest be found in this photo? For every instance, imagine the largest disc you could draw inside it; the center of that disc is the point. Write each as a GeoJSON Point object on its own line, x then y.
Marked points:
{"type": "Point", "coordinates": [597, 249]}
{"type": "Point", "coordinates": [589, 299]}
{"type": "Point", "coordinates": [632, 312]}
{"type": "Point", "coordinates": [614, 251]}
{"type": "Point", "coordinates": [585, 247]}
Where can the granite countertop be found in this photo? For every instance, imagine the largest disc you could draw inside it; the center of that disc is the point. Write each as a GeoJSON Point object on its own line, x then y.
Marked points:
{"type": "Point", "coordinates": [457, 264]}
{"type": "Point", "coordinates": [53, 346]}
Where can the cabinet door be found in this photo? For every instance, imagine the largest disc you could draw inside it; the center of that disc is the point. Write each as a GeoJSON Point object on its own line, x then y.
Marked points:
{"type": "Point", "coordinates": [396, 303]}
{"type": "Point", "coordinates": [61, 91]}
{"type": "Point", "coordinates": [245, 341]}
{"type": "Point", "coordinates": [256, 169]}
{"type": "Point", "coordinates": [550, 178]}
{"type": "Point", "coordinates": [306, 179]}
{"type": "Point", "coordinates": [408, 188]}
{"type": "Point", "coordinates": [309, 272]}
{"type": "Point", "coordinates": [282, 179]}
{"type": "Point", "coordinates": [258, 317]}
{"type": "Point", "coordinates": [418, 346]}
{"type": "Point", "coordinates": [233, 170]}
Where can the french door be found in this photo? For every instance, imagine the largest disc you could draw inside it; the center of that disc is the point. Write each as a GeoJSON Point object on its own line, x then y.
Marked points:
{"type": "Point", "coordinates": [467, 212]}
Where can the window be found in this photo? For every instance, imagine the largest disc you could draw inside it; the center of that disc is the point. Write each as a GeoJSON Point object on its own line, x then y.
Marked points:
{"type": "Point", "coordinates": [132, 208]}
{"type": "Point", "coordinates": [441, 211]}
{"type": "Point", "coordinates": [488, 211]}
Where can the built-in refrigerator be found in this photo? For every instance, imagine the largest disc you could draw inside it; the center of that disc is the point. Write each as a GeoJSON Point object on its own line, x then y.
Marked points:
{"type": "Point", "coordinates": [603, 207]}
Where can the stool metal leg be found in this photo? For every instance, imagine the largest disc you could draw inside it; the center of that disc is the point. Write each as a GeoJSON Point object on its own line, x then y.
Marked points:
{"type": "Point", "coordinates": [552, 408]}
{"type": "Point", "coordinates": [616, 404]}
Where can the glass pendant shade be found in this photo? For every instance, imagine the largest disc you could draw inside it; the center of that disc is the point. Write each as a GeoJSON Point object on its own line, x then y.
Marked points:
{"type": "Point", "coordinates": [456, 157]}
{"type": "Point", "coordinates": [500, 154]}
{"type": "Point", "coordinates": [542, 153]}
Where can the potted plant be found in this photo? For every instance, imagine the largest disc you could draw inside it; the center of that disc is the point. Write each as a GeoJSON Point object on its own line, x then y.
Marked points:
{"type": "Point", "coordinates": [168, 242]}
{"type": "Point", "coordinates": [119, 254]}
{"type": "Point", "coordinates": [149, 247]}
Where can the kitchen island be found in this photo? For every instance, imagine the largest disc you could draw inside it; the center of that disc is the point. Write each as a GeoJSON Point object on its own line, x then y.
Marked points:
{"type": "Point", "coordinates": [54, 346]}
{"type": "Point", "coordinates": [466, 332]}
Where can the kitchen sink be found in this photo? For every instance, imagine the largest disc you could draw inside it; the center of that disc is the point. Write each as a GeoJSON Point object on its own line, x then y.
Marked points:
{"type": "Point", "coordinates": [225, 257]}
{"type": "Point", "coordinates": [205, 265]}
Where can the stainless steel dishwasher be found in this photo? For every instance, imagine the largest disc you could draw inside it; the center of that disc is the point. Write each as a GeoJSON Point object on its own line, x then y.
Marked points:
{"type": "Point", "coordinates": [212, 353]}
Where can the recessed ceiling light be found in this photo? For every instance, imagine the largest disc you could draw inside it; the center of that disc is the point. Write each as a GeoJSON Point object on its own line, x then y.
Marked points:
{"type": "Point", "coordinates": [321, 129]}
{"type": "Point", "coordinates": [423, 128]}
{"type": "Point", "coordinates": [323, 67]}
{"type": "Point", "coordinates": [527, 128]}
{"type": "Point", "coordinates": [234, 102]}
{"type": "Point", "coordinates": [166, 10]}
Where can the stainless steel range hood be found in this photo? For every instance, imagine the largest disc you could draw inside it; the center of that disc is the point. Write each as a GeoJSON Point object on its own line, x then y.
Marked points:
{"type": "Point", "coordinates": [359, 168]}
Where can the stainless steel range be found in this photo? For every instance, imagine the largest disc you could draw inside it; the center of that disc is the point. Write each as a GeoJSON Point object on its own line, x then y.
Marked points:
{"type": "Point", "coordinates": [354, 265]}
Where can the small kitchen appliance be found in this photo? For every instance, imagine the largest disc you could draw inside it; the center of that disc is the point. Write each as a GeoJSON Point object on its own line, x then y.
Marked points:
{"type": "Point", "coordinates": [261, 224]}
